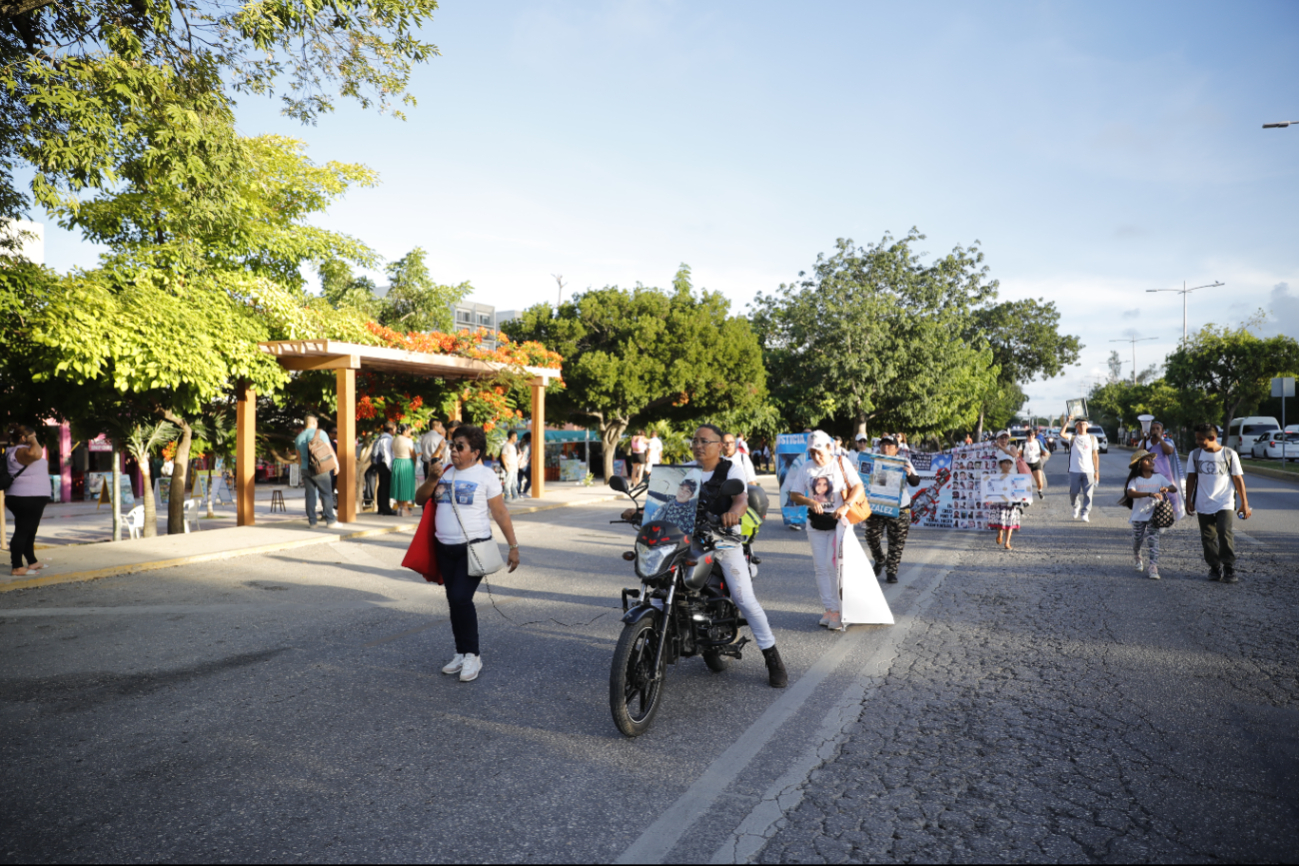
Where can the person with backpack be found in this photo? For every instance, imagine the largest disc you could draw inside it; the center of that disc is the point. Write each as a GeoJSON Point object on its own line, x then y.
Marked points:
{"type": "Point", "coordinates": [1084, 468]}
{"type": "Point", "coordinates": [26, 485]}
{"type": "Point", "coordinates": [1211, 473]}
{"type": "Point", "coordinates": [318, 466]}
{"type": "Point", "coordinates": [1143, 491]}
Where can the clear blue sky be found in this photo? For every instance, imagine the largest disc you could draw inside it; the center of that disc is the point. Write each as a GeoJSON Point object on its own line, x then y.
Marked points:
{"type": "Point", "coordinates": [1095, 150]}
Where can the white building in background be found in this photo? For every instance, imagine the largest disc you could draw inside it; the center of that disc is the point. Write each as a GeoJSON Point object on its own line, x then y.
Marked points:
{"type": "Point", "coordinates": [32, 239]}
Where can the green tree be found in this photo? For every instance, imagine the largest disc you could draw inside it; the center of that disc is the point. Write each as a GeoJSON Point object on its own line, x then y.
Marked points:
{"type": "Point", "coordinates": [76, 75]}
{"type": "Point", "coordinates": [415, 302]}
{"type": "Point", "coordinates": [646, 354]}
{"type": "Point", "coordinates": [878, 335]}
{"type": "Point", "coordinates": [1232, 366]}
{"type": "Point", "coordinates": [341, 289]}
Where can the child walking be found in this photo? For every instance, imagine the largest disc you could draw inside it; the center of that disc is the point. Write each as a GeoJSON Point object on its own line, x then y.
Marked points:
{"type": "Point", "coordinates": [1145, 487]}
{"type": "Point", "coordinates": [1005, 516]}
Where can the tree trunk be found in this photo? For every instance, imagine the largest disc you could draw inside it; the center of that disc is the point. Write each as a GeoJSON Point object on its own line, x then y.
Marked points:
{"type": "Point", "coordinates": [115, 494]}
{"type": "Point", "coordinates": [978, 431]}
{"type": "Point", "coordinates": [150, 507]}
{"type": "Point", "coordinates": [610, 432]}
{"type": "Point", "coordinates": [176, 507]}
{"type": "Point", "coordinates": [861, 427]}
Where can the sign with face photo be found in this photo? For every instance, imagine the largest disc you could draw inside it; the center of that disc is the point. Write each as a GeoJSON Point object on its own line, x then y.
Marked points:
{"type": "Point", "coordinates": [791, 453]}
{"type": "Point", "coordinates": [673, 496]}
{"type": "Point", "coordinates": [884, 478]}
{"type": "Point", "coordinates": [1005, 489]}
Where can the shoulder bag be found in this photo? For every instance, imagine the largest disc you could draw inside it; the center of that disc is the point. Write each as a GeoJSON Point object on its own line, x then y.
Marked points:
{"type": "Point", "coordinates": [421, 556]}
{"type": "Point", "coordinates": [1163, 516]}
{"type": "Point", "coordinates": [484, 554]}
{"type": "Point", "coordinates": [858, 510]}
{"type": "Point", "coordinates": [6, 479]}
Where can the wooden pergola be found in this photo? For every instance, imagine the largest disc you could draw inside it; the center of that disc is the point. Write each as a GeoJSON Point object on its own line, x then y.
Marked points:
{"type": "Point", "coordinates": [345, 359]}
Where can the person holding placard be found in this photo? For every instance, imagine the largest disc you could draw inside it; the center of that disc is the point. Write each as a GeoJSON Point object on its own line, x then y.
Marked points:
{"type": "Point", "coordinates": [886, 566]}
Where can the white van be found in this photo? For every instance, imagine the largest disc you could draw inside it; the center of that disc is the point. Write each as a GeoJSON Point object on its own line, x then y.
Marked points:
{"type": "Point", "coordinates": [1242, 433]}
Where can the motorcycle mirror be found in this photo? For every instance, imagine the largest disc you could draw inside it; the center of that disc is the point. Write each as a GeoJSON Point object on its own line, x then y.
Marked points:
{"type": "Point", "coordinates": [618, 483]}
{"type": "Point", "coordinates": [629, 555]}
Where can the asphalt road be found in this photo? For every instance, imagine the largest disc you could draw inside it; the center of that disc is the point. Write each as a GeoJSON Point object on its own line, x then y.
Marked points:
{"type": "Point", "coordinates": [289, 707]}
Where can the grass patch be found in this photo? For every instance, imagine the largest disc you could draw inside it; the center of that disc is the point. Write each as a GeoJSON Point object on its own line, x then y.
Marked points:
{"type": "Point", "coordinates": [1290, 466]}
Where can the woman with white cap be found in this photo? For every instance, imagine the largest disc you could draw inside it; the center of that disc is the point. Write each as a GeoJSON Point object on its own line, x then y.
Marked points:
{"type": "Point", "coordinates": [825, 484]}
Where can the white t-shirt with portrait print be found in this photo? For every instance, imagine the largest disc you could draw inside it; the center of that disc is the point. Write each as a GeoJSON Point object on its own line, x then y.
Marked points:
{"type": "Point", "coordinates": [472, 488]}
{"type": "Point", "coordinates": [812, 481]}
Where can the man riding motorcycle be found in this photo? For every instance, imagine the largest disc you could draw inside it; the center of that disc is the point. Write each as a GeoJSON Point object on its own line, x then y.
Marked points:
{"type": "Point", "coordinates": [707, 449]}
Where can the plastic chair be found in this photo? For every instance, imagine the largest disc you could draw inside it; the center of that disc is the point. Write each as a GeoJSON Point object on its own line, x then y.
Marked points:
{"type": "Point", "coordinates": [135, 521]}
{"type": "Point", "coordinates": [191, 514]}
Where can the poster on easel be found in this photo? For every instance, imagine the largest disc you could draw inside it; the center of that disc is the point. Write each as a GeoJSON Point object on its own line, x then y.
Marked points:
{"type": "Point", "coordinates": [162, 490]}
{"type": "Point", "coordinates": [106, 486]}
{"type": "Point", "coordinates": [791, 454]}
{"type": "Point", "coordinates": [221, 491]}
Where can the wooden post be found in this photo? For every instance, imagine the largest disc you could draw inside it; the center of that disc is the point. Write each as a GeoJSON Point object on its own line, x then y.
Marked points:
{"type": "Point", "coordinates": [538, 438]}
{"type": "Point", "coordinates": [245, 453]}
{"type": "Point", "coordinates": [457, 408]}
{"type": "Point", "coordinates": [347, 445]}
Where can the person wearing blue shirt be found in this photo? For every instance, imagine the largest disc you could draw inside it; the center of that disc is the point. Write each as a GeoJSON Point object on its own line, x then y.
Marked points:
{"type": "Point", "coordinates": [316, 486]}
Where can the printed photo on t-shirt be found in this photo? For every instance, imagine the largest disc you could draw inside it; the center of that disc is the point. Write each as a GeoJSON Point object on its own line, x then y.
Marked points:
{"type": "Point", "coordinates": [465, 491]}
{"type": "Point", "coordinates": [822, 490]}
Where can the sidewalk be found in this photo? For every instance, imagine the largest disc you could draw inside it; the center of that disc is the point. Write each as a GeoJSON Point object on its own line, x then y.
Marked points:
{"type": "Point", "coordinates": [72, 561]}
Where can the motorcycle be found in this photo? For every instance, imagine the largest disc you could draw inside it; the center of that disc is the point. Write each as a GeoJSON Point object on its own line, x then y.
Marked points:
{"type": "Point", "coordinates": [681, 609]}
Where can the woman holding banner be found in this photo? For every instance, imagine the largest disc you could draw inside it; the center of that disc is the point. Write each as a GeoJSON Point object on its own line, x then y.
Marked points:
{"type": "Point", "coordinates": [1167, 463]}
{"type": "Point", "coordinates": [821, 484]}
{"type": "Point", "coordinates": [896, 527]}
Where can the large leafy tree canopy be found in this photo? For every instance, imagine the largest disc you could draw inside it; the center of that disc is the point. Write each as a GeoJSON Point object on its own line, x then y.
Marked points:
{"type": "Point", "coordinates": [646, 353]}
{"type": "Point", "coordinates": [75, 75]}
{"type": "Point", "coordinates": [877, 335]}
{"type": "Point", "coordinates": [1232, 366]}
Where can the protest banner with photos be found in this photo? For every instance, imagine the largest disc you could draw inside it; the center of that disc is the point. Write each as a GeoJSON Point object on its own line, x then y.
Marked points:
{"type": "Point", "coordinates": [791, 453]}
{"type": "Point", "coordinates": [884, 479]}
{"type": "Point", "coordinates": [1004, 489]}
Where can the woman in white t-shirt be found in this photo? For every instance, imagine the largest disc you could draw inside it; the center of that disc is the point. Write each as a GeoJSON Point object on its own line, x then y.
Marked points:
{"type": "Point", "coordinates": [468, 497]}
{"type": "Point", "coordinates": [1145, 487]}
{"type": "Point", "coordinates": [820, 484]}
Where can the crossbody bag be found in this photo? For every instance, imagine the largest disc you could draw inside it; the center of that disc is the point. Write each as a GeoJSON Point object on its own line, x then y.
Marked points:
{"type": "Point", "coordinates": [484, 554]}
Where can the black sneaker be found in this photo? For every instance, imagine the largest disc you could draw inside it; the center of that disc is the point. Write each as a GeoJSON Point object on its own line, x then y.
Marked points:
{"type": "Point", "coordinates": [1215, 572]}
{"type": "Point", "coordinates": [1229, 575]}
{"type": "Point", "coordinates": [879, 571]}
{"type": "Point", "coordinates": [892, 578]}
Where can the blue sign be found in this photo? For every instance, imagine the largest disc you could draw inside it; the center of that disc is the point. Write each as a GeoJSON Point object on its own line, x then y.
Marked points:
{"type": "Point", "coordinates": [791, 453]}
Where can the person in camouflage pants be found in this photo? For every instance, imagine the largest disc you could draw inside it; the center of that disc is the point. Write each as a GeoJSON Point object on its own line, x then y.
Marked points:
{"type": "Point", "coordinates": [886, 565]}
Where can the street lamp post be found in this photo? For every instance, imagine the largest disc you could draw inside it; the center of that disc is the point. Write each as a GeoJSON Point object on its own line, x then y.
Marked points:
{"type": "Point", "coordinates": [1184, 291]}
{"type": "Point", "coordinates": [1134, 341]}
{"type": "Point", "coordinates": [1281, 125]}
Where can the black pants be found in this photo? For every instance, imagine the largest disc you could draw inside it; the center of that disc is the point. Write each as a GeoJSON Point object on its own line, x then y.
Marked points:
{"type": "Point", "coordinates": [384, 496]}
{"type": "Point", "coordinates": [897, 528]}
{"type": "Point", "coordinates": [525, 478]}
{"type": "Point", "coordinates": [1217, 538]}
{"type": "Point", "coordinates": [27, 511]}
{"type": "Point", "coordinates": [453, 563]}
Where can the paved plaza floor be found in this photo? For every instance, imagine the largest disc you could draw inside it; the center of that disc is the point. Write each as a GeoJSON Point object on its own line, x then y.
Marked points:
{"type": "Point", "coordinates": [1047, 704]}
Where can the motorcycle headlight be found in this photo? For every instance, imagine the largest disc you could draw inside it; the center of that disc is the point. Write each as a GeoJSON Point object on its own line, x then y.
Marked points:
{"type": "Point", "coordinates": [651, 560]}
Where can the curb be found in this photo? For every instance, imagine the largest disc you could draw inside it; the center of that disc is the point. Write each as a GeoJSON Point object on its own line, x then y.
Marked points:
{"type": "Point", "coordinates": [83, 576]}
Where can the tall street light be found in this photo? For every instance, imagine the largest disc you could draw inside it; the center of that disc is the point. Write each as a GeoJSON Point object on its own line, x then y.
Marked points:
{"type": "Point", "coordinates": [1281, 125]}
{"type": "Point", "coordinates": [1184, 291]}
{"type": "Point", "coordinates": [1134, 341]}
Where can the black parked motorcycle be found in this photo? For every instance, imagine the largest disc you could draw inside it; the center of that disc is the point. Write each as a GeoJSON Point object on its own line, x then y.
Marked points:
{"type": "Point", "coordinates": [682, 609]}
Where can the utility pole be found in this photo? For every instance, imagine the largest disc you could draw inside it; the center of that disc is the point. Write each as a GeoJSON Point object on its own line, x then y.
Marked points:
{"type": "Point", "coordinates": [1134, 341]}
{"type": "Point", "coordinates": [1184, 291]}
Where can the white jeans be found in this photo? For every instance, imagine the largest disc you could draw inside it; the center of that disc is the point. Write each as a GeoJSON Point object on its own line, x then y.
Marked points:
{"type": "Point", "coordinates": [740, 584]}
{"type": "Point", "coordinates": [827, 572]}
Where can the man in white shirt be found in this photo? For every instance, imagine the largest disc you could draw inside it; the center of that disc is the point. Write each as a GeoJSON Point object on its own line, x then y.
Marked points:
{"type": "Point", "coordinates": [510, 464]}
{"type": "Point", "coordinates": [655, 455]}
{"type": "Point", "coordinates": [731, 451]}
{"type": "Point", "coordinates": [1084, 468]}
{"type": "Point", "coordinates": [1211, 473]}
{"type": "Point", "coordinates": [432, 448]}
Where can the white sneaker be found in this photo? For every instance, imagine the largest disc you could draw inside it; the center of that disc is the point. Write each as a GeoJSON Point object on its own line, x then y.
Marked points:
{"type": "Point", "coordinates": [1153, 573]}
{"type": "Point", "coordinates": [1086, 518]}
{"type": "Point", "coordinates": [472, 666]}
{"type": "Point", "coordinates": [331, 525]}
{"type": "Point", "coordinates": [453, 667]}
{"type": "Point", "coordinates": [1137, 563]}
{"type": "Point", "coordinates": [1076, 512]}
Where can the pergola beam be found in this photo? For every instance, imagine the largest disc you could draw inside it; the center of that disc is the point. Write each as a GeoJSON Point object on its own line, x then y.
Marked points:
{"type": "Point", "coordinates": [323, 362]}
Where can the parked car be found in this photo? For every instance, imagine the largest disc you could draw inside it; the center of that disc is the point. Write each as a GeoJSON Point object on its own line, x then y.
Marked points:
{"type": "Point", "coordinates": [1269, 447]}
{"type": "Point", "coordinates": [1242, 433]}
{"type": "Point", "coordinates": [1102, 441]}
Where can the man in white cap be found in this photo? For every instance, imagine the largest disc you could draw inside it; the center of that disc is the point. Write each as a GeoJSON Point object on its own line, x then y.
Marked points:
{"type": "Point", "coordinates": [822, 483]}
{"type": "Point", "coordinates": [863, 442]}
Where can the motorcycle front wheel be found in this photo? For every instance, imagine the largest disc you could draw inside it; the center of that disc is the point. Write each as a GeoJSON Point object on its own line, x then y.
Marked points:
{"type": "Point", "coordinates": [634, 693]}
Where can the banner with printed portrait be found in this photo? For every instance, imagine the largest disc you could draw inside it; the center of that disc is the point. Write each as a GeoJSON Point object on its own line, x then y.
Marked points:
{"type": "Point", "coordinates": [791, 454]}
{"type": "Point", "coordinates": [673, 496]}
{"type": "Point", "coordinates": [884, 478]}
